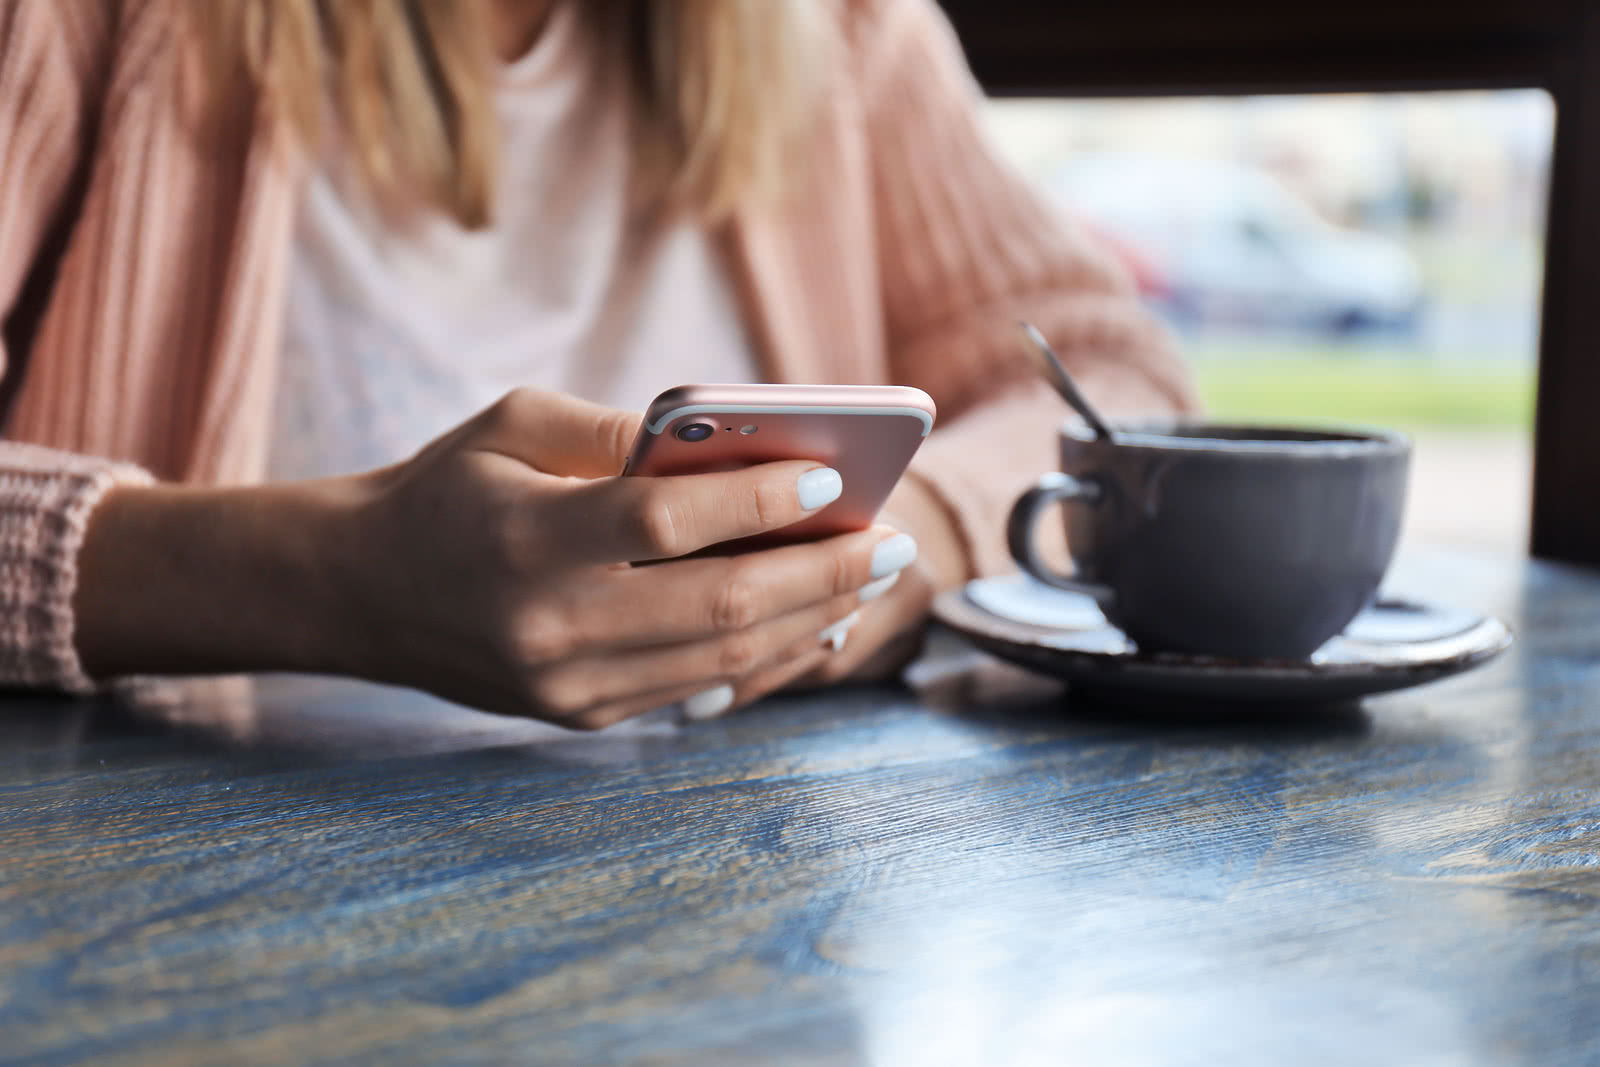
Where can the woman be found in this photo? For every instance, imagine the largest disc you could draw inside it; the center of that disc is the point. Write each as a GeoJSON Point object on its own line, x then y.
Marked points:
{"type": "Point", "coordinates": [249, 246]}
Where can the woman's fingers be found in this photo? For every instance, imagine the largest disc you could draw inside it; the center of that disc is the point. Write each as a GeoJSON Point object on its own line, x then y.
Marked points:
{"type": "Point", "coordinates": [763, 683]}
{"type": "Point", "coordinates": [693, 599]}
{"type": "Point", "coordinates": [706, 699]}
{"type": "Point", "coordinates": [631, 520]}
{"type": "Point", "coordinates": [714, 700]}
{"type": "Point", "coordinates": [578, 685]}
{"type": "Point", "coordinates": [554, 433]}
{"type": "Point", "coordinates": [602, 715]}
{"type": "Point", "coordinates": [877, 651]}
{"type": "Point", "coordinates": [804, 659]}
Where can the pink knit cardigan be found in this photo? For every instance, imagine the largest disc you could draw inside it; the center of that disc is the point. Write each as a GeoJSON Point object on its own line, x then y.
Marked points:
{"type": "Point", "coordinates": [143, 281]}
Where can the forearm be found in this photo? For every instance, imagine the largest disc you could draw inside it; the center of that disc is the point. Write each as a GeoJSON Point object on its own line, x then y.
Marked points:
{"type": "Point", "coordinates": [189, 581]}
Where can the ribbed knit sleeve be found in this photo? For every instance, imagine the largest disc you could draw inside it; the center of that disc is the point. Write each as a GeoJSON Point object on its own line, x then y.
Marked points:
{"type": "Point", "coordinates": [52, 63]}
{"type": "Point", "coordinates": [46, 498]}
{"type": "Point", "coordinates": [967, 247]}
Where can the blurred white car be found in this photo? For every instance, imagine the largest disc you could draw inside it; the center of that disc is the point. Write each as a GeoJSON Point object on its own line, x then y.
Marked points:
{"type": "Point", "coordinates": [1221, 242]}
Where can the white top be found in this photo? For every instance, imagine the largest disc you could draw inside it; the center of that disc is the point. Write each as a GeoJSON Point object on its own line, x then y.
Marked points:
{"type": "Point", "coordinates": [391, 339]}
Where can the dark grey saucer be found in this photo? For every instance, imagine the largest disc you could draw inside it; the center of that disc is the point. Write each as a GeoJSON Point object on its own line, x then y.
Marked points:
{"type": "Point", "coordinates": [1392, 645]}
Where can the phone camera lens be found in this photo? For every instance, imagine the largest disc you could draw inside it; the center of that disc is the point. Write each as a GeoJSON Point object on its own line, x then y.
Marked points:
{"type": "Point", "coordinates": [695, 431]}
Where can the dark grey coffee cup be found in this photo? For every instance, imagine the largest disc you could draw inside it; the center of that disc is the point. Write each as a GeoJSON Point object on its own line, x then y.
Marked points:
{"type": "Point", "coordinates": [1239, 541]}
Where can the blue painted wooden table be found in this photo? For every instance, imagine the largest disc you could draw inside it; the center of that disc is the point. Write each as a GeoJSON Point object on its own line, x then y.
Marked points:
{"type": "Point", "coordinates": [979, 871]}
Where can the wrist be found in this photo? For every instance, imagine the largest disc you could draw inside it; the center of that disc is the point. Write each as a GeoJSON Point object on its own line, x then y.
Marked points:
{"type": "Point", "coordinates": [175, 580]}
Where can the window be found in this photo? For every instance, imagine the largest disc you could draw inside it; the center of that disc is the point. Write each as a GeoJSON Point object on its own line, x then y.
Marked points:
{"type": "Point", "coordinates": [1350, 258]}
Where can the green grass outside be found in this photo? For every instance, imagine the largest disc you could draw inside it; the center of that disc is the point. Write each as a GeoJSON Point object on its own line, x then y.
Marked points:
{"type": "Point", "coordinates": [1400, 389]}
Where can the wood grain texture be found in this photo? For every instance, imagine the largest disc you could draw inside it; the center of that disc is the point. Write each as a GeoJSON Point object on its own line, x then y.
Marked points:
{"type": "Point", "coordinates": [983, 871]}
{"type": "Point", "coordinates": [1176, 47]}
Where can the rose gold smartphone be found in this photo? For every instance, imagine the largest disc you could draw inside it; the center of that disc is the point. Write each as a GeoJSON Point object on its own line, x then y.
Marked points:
{"type": "Point", "coordinates": [868, 433]}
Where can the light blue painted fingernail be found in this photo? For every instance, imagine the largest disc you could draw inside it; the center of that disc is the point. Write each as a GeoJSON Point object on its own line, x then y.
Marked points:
{"type": "Point", "coordinates": [709, 704]}
{"type": "Point", "coordinates": [874, 590]}
{"type": "Point", "coordinates": [894, 555]}
{"type": "Point", "coordinates": [834, 634]}
{"type": "Point", "coordinates": [818, 488]}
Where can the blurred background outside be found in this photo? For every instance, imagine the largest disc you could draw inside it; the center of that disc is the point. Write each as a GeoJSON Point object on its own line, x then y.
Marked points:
{"type": "Point", "coordinates": [1353, 258]}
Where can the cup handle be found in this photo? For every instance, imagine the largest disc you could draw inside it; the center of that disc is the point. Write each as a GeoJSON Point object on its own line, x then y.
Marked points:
{"type": "Point", "coordinates": [1025, 513]}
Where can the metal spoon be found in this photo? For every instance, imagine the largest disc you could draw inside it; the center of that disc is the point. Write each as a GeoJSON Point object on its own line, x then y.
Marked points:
{"type": "Point", "coordinates": [1058, 377]}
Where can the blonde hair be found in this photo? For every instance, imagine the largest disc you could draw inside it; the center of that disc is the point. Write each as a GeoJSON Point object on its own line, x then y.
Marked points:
{"type": "Point", "coordinates": [720, 88]}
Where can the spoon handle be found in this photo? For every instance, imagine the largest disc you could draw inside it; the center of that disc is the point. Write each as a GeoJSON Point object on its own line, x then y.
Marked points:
{"type": "Point", "coordinates": [1058, 377]}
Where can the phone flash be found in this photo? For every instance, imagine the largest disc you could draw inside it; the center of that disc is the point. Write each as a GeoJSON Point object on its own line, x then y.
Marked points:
{"type": "Point", "coordinates": [747, 429]}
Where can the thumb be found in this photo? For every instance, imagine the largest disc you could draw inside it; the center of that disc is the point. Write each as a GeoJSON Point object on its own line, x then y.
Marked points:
{"type": "Point", "coordinates": [556, 433]}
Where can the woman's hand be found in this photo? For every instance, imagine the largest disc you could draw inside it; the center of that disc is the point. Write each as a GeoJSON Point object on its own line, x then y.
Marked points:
{"type": "Point", "coordinates": [888, 633]}
{"type": "Point", "coordinates": [492, 569]}
{"type": "Point", "coordinates": [498, 570]}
